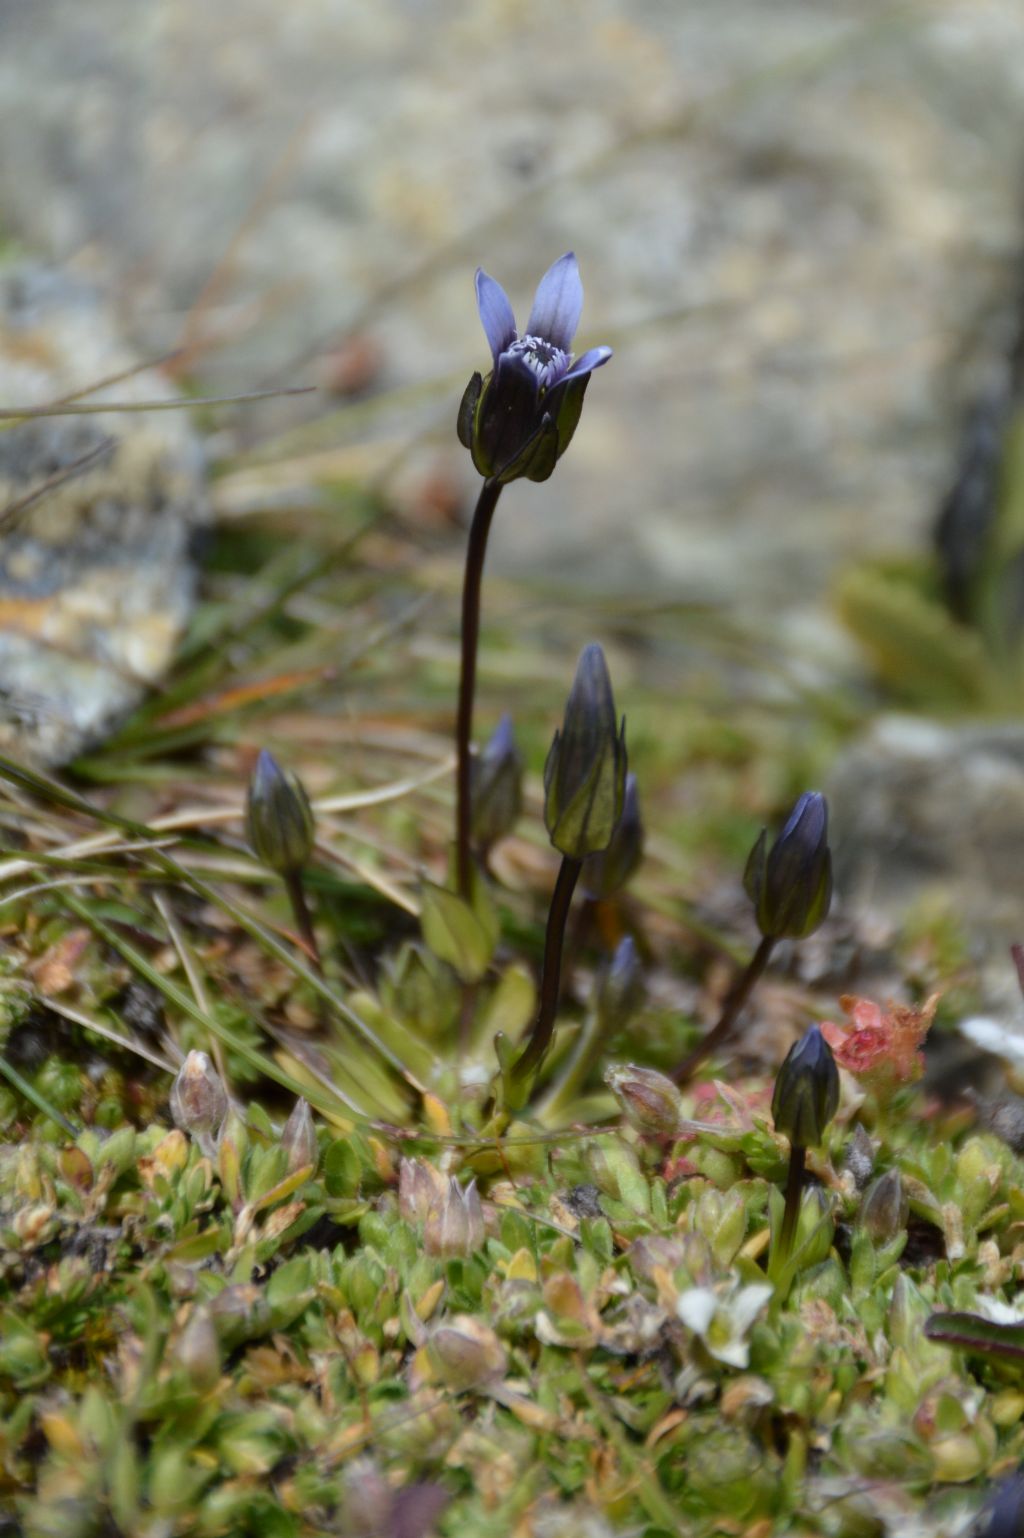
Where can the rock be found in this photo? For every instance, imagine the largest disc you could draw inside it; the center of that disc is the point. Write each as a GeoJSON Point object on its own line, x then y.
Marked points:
{"type": "Point", "coordinates": [798, 236]}
{"type": "Point", "coordinates": [925, 810]}
{"type": "Point", "coordinates": [96, 579]}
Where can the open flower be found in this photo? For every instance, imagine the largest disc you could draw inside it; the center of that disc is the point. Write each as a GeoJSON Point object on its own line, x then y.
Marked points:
{"type": "Point", "coordinates": [722, 1317]}
{"type": "Point", "coordinates": [520, 420]}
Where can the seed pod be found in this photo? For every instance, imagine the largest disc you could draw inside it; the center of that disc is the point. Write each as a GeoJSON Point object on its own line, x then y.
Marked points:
{"type": "Point", "coordinates": [199, 1101]}
{"type": "Point", "coordinates": [466, 1353]}
{"type": "Point", "coordinates": [454, 1227]}
{"type": "Point", "coordinates": [649, 1100]}
{"type": "Point", "coordinates": [298, 1137]}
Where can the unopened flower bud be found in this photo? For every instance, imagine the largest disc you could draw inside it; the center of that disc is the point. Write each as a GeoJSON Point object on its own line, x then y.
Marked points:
{"type": "Point", "coordinates": [649, 1100]}
{"type": "Point", "coordinates": [465, 1353]}
{"type": "Point", "coordinates": [885, 1207]}
{"type": "Point", "coordinates": [619, 987]}
{"type": "Point", "coordinates": [454, 1227]}
{"type": "Point", "coordinates": [420, 1187]}
{"type": "Point", "coordinates": [790, 884]}
{"type": "Point", "coordinates": [279, 819]}
{"type": "Point", "coordinates": [806, 1095]}
{"type": "Point", "coordinates": [497, 788]}
{"type": "Point", "coordinates": [199, 1101]}
{"type": "Point", "coordinates": [585, 773]}
{"type": "Point", "coordinates": [298, 1137]}
{"type": "Point", "coordinates": [607, 873]}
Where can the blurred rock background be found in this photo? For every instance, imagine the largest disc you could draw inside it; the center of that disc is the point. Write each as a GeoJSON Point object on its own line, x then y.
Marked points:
{"type": "Point", "coordinates": [800, 232]}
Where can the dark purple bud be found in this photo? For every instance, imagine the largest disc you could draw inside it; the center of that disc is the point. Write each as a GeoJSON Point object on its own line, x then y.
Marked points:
{"type": "Point", "coordinates": [585, 773]}
{"type": "Point", "coordinates": [790, 884]}
{"type": "Point", "coordinates": [605, 874]}
{"type": "Point", "coordinates": [806, 1095]}
{"type": "Point", "coordinates": [278, 816]}
{"type": "Point", "coordinates": [497, 787]}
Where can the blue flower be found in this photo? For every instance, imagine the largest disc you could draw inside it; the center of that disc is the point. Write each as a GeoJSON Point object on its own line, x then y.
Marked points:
{"type": "Point", "coordinates": [519, 421]}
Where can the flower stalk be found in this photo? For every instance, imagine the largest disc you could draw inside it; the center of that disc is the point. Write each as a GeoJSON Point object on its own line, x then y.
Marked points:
{"type": "Point", "coordinates": [735, 1000]}
{"type": "Point", "coordinates": [554, 940]}
{"type": "Point", "coordinates": [476, 550]}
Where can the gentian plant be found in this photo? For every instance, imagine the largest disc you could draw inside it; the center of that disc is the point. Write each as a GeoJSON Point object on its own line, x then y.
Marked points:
{"type": "Point", "coordinates": [805, 1099]}
{"type": "Point", "coordinates": [790, 886]}
{"type": "Point", "coordinates": [584, 791]}
{"type": "Point", "coordinates": [279, 822]}
{"type": "Point", "coordinates": [516, 423]}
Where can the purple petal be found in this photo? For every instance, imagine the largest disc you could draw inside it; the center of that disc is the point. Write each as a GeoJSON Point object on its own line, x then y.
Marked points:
{"type": "Point", "coordinates": [499, 322]}
{"type": "Point", "coordinates": [557, 304]}
{"type": "Point", "coordinates": [588, 361]}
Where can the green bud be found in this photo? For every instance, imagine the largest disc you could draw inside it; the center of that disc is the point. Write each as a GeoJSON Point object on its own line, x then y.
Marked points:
{"type": "Point", "coordinates": [649, 1100]}
{"type": "Point", "coordinates": [585, 773]}
{"type": "Point", "coordinates": [790, 884]}
{"type": "Point", "coordinates": [199, 1101]}
{"type": "Point", "coordinates": [298, 1137]}
{"type": "Point", "coordinates": [279, 819]}
{"type": "Point", "coordinates": [884, 1209]}
{"type": "Point", "coordinates": [606, 873]}
{"type": "Point", "coordinates": [806, 1093]}
{"type": "Point", "coordinates": [497, 787]}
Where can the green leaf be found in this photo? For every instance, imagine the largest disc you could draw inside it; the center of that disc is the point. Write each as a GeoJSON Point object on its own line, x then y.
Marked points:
{"type": "Point", "coordinates": [462, 935]}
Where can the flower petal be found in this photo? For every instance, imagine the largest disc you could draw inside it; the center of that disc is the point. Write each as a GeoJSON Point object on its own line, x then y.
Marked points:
{"type": "Point", "coordinates": [696, 1308]}
{"type": "Point", "coordinates": [557, 304]}
{"type": "Point", "coordinates": [588, 361]}
{"type": "Point", "coordinates": [496, 314]}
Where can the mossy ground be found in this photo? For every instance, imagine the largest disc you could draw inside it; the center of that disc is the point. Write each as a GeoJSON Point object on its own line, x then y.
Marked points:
{"type": "Point", "coordinates": [220, 1342]}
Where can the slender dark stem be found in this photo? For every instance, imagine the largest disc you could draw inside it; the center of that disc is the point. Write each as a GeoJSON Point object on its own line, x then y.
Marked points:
{"type": "Point", "coordinates": [543, 1027]}
{"type": "Point", "coordinates": [487, 501]}
{"type": "Point", "coordinates": [794, 1190]}
{"type": "Point", "coordinates": [300, 912]}
{"type": "Point", "coordinates": [738, 995]}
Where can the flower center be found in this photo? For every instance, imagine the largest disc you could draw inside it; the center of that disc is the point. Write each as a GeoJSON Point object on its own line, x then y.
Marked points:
{"type": "Point", "coordinates": [543, 358]}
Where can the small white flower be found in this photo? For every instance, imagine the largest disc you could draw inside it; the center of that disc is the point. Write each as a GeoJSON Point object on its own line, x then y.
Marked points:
{"type": "Point", "coordinates": [722, 1318]}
